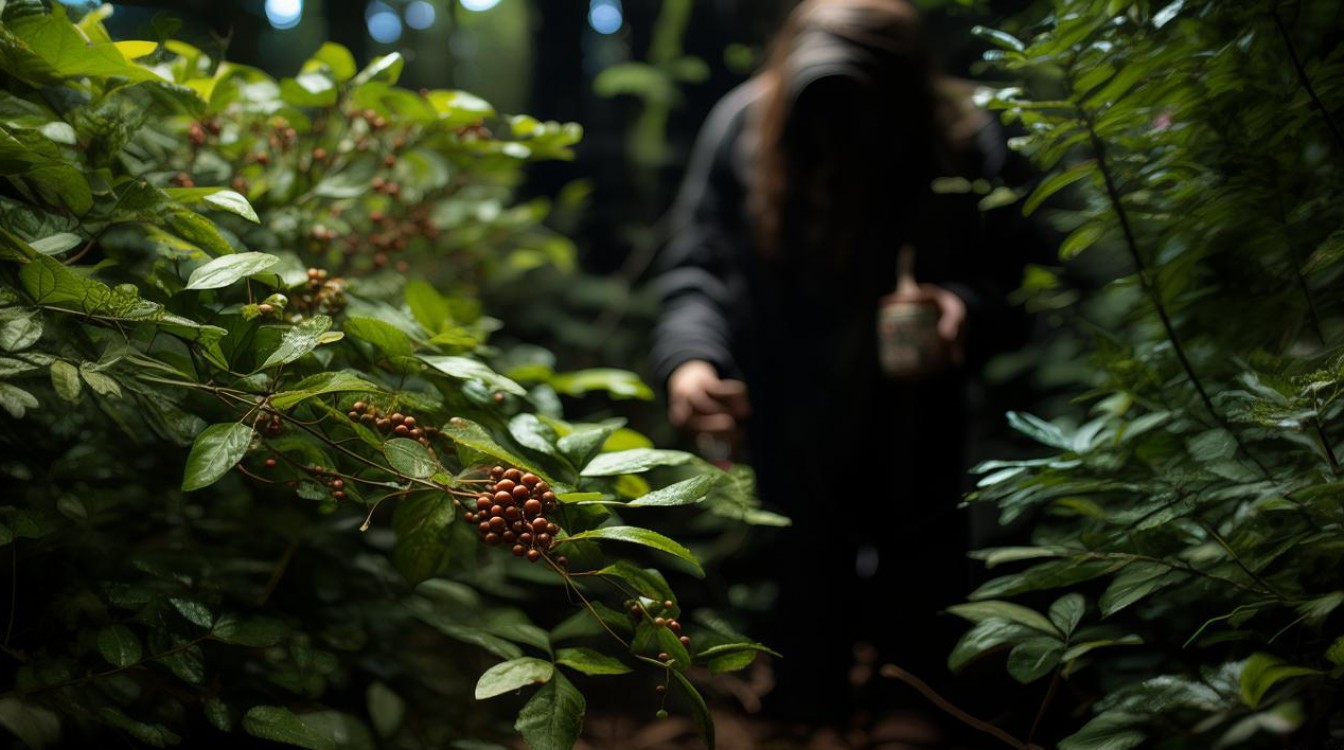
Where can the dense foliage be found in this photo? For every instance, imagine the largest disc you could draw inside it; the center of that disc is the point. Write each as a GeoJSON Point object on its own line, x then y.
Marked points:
{"type": "Point", "coordinates": [1190, 509]}
{"type": "Point", "coordinates": [253, 400]}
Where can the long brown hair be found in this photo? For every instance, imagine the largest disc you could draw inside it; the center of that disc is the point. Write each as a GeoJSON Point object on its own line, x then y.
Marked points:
{"type": "Point", "coordinates": [888, 36]}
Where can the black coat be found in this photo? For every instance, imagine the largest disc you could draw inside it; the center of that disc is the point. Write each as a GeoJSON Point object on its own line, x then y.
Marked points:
{"type": "Point", "coordinates": [858, 462]}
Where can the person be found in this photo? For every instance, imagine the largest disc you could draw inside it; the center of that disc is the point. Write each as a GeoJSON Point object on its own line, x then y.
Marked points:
{"type": "Point", "coordinates": [804, 184]}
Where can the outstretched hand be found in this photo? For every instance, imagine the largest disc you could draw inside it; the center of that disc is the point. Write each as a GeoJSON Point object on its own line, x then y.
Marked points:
{"type": "Point", "coordinates": [701, 402]}
{"type": "Point", "coordinates": [951, 319]}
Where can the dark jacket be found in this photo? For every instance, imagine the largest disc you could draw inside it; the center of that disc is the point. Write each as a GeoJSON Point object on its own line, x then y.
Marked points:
{"type": "Point", "coordinates": [799, 328]}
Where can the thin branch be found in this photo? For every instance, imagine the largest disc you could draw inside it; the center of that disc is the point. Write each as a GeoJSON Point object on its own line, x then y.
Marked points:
{"type": "Point", "coordinates": [1045, 703]}
{"type": "Point", "coordinates": [894, 672]}
{"type": "Point", "coordinates": [1149, 283]}
{"type": "Point", "coordinates": [1302, 76]}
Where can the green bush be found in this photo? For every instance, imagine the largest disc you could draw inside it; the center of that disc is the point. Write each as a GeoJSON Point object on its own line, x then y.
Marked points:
{"type": "Point", "coordinates": [1190, 513]}
{"type": "Point", "coordinates": [253, 402]}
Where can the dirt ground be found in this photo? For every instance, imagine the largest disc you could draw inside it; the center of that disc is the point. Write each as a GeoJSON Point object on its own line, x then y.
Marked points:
{"type": "Point", "coordinates": [734, 700]}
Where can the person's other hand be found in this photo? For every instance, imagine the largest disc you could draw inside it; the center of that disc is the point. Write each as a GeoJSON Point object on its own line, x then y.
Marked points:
{"type": "Point", "coordinates": [699, 401]}
{"type": "Point", "coordinates": [951, 319]}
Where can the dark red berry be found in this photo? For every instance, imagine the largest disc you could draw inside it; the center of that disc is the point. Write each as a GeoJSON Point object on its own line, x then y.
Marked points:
{"type": "Point", "coordinates": [533, 555]}
{"type": "Point", "coordinates": [505, 485]}
{"type": "Point", "coordinates": [530, 479]}
{"type": "Point", "coordinates": [519, 550]}
{"type": "Point", "coordinates": [492, 539]}
{"type": "Point", "coordinates": [532, 507]}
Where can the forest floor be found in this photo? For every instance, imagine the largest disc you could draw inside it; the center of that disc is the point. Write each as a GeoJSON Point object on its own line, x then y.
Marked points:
{"type": "Point", "coordinates": [734, 701]}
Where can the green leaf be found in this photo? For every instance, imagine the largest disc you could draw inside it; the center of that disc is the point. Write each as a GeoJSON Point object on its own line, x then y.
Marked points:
{"type": "Point", "coordinates": [465, 368]}
{"type": "Point", "coordinates": [65, 379]}
{"type": "Point", "coordinates": [19, 328]}
{"type": "Point", "coordinates": [336, 59]}
{"type": "Point", "coordinates": [636, 535]}
{"type": "Point", "coordinates": [1108, 731]}
{"type": "Point", "coordinates": [986, 636]}
{"type": "Point", "coordinates": [309, 90]}
{"type": "Point", "coordinates": [685, 492]}
{"type": "Point", "coordinates": [1263, 671]}
{"type": "Point", "coordinates": [410, 458]}
{"type": "Point", "coordinates": [381, 334]}
{"type": "Point", "coordinates": [154, 735]}
{"type": "Point", "coordinates": [1034, 658]}
{"type": "Point", "coordinates": [588, 661]}
{"type": "Point", "coordinates": [730, 657]}
{"type": "Point", "coordinates": [1080, 239]}
{"type": "Point", "coordinates": [1039, 430]}
{"type": "Point", "coordinates": [323, 382]}
{"type": "Point", "coordinates": [1212, 445]}
{"type": "Point", "coordinates": [421, 523]}
{"type": "Point", "coordinates": [218, 713]}
{"type": "Point", "coordinates": [473, 436]}
{"type": "Point", "coordinates": [16, 401]}
{"type": "Point", "coordinates": [216, 450]}
{"type": "Point", "coordinates": [386, 708]}
{"type": "Point", "coordinates": [618, 383]}
{"type": "Point", "coordinates": [1056, 182]}
{"type": "Point", "coordinates": [428, 307]}
{"type": "Point", "coordinates": [33, 725]}
{"type": "Point", "coordinates": [553, 718]}
{"type": "Point", "coordinates": [100, 383]}
{"type": "Point", "coordinates": [300, 340]}
{"type": "Point", "coordinates": [119, 646]}
{"type": "Point", "coordinates": [216, 198]}
{"type": "Point", "coordinates": [279, 724]}
{"type": "Point", "coordinates": [1067, 612]}
{"type": "Point", "coordinates": [227, 269]}
{"type": "Point", "coordinates": [978, 612]}
{"type": "Point", "coordinates": [1001, 38]}
{"type": "Point", "coordinates": [386, 68]}
{"type": "Point", "coordinates": [646, 582]}
{"type": "Point", "coordinates": [704, 721]}
{"type": "Point", "coordinates": [255, 632]}
{"type": "Point", "coordinates": [57, 243]}
{"type": "Point", "coordinates": [634, 461]}
{"type": "Point", "coordinates": [1132, 584]}
{"type": "Point", "coordinates": [512, 675]}
{"type": "Point", "coordinates": [194, 612]}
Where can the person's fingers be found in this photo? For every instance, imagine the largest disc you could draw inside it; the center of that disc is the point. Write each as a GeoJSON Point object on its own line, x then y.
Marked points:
{"type": "Point", "coordinates": [953, 316]}
{"type": "Point", "coordinates": [732, 396]}
{"type": "Point", "coordinates": [716, 424]}
{"type": "Point", "coordinates": [678, 411]}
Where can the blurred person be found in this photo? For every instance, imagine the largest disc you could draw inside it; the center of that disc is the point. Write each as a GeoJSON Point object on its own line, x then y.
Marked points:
{"type": "Point", "coordinates": [804, 185]}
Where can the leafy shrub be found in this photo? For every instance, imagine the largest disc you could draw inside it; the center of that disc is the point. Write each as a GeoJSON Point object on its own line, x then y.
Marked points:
{"type": "Point", "coordinates": [253, 402]}
{"type": "Point", "coordinates": [1191, 515]}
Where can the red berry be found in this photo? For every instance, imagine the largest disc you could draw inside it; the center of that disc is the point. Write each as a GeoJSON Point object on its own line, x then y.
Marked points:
{"type": "Point", "coordinates": [519, 550]}
{"type": "Point", "coordinates": [513, 474]}
{"type": "Point", "coordinates": [532, 507]}
{"type": "Point", "coordinates": [504, 485]}
{"type": "Point", "coordinates": [492, 539]}
{"type": "Point", "coordinates": [530, 479]}
{"type": "Point", "coordinates": [533, 555]}
{"type": "Point", "coordinates": [539, 525]}
{"type": "Point", "coordinates": [270, 463]}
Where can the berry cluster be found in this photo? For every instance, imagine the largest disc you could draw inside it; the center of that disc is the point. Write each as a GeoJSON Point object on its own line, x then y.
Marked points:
{"type": "Point", "coordinates": [513, 511]}
{"type": "Point", "coordinates": [640, 611]}
{"type": "Point", "coordinates": [269, 425]}
{"type": "Point", "coordinates": [396, 423]}
{"type": "Point", "coordinates": [388, 234]}
{"type": "Point", "coordinates": [334, 483]}
{"type": "Point", "coordinates": [321, 295]}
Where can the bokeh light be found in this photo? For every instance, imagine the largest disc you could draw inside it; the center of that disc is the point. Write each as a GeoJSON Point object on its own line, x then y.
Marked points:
{"type": "Point", "coordinates": [284, 14]}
